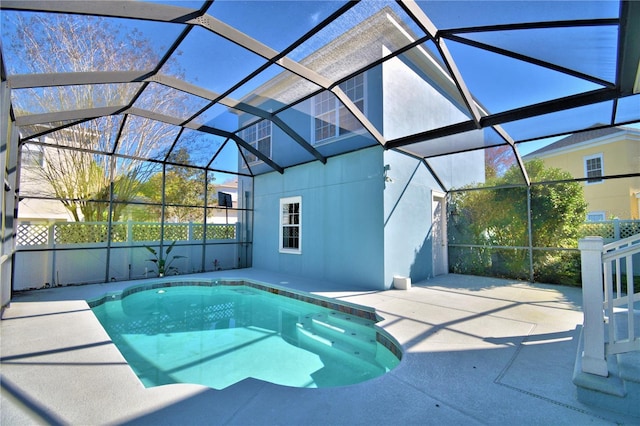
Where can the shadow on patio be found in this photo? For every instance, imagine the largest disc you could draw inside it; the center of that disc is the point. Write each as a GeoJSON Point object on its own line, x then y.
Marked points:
{"type": "Point", "coordinates": [498, 354]}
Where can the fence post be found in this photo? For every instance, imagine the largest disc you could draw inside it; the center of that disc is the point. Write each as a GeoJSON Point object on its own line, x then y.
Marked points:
{"type": "Point", "coordinates": [616, 229]}
{"type": "Point", "coordinates": [52, 252]}
{"type": "Point", "coordinates": [593, 357]}
{"type": "Point", "coordinates": [129, 232]}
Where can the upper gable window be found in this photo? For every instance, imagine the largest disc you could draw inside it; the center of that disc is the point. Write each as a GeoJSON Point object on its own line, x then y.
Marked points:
{"type": "Point", "coordinates": [332, 119]}
{"type": "Point", "coordinates": [593, 168]}
{"type": "Point", "coordinates": [259, 136]}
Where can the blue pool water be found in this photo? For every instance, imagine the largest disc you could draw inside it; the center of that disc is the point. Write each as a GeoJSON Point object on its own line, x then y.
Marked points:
{"type": "Point", "coordinates": [218, 335]}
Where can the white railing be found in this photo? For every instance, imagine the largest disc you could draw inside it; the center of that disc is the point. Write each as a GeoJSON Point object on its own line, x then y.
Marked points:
{"type": "Point", "coordinates": [610, 268]}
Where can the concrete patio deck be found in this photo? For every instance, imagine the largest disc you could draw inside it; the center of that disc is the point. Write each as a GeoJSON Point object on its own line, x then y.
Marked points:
{"type": "Point", "coordinates": [476, 351]}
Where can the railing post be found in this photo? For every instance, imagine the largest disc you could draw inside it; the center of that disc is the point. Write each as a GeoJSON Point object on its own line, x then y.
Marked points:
{"type": "Point", "coordinates": [593, 355]}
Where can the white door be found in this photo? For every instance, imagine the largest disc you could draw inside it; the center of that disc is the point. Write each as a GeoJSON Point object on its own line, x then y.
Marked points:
{"type": "Point", "coordinates": [439, 233]}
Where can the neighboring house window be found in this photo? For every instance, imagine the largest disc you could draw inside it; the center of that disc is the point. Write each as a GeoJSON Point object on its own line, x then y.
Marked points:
{"type": "Point", "coordinates": [290, 225]}
{"type": "Point", "coordinates": [259, 136]}
{"type": "Point", "coordinates": [332, 119]}
{"type": "Point", "coordinates": [32, 156]}
{"type": "Point", "coordinates": [593, 168]}
{"type": "Point", "coordinates": [595, 217]}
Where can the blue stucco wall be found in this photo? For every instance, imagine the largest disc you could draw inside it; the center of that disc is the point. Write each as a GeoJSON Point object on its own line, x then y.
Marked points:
{"type": "Point", "coordinates": [358, 229]}
{"type": "Point", "coordinates": [342, 219]}
{"type": "Point", "coordinates": [407, 218]}
{"type": "Point", "coordinates": [412, 105]}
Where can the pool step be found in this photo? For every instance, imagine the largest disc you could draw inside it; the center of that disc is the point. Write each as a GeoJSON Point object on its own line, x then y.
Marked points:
{"type": "Point", "coordinates": [348, 354]}
{"type": "Point", "coordinates": [348, 321]}
{"type": "Point", "coordinates": [340, 326]}
{"type": "Point", "coordinates": [350, 337]}
{"type": "Point", "coordinates": [361, 337]}
{"type": "Point", "coordinates": [339, 321]}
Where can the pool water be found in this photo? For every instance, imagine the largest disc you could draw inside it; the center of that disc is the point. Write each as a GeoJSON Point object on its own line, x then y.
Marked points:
{"type": "Point", "coordinates": [219, 335]}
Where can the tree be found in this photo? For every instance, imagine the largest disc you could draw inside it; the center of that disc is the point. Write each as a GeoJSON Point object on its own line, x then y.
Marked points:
{"type": "Point", "coordinates": [184, 187]}
{"type": "Point", "coordinates": [497, 216]}
{"type": "Point", "coordinates": [497, 160]}
{"type": "Point", "coordinates": [81, 177]}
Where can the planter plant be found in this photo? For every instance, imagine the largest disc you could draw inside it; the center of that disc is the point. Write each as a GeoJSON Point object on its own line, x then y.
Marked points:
{"type": "Point", "coordinates": [163, 262]}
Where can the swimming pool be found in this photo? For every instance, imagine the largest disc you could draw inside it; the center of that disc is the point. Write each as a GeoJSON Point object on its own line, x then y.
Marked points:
{"type": "Point", "coordinates": [217, 333]}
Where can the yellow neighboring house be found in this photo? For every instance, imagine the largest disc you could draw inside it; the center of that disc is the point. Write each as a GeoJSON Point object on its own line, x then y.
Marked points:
{"type": "Point", "coordinates": [604, 152]}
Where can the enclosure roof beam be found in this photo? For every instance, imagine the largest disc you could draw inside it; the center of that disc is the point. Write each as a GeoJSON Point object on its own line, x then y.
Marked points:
{"type": "Point", "coordinates": [255, 152]}
{"type": "Point", "coordinates": [504, 135]}
{"type": "Point", "coordinates": [22, 81]}
{"type": "Point", "coordinates": [258, 112]}
{"type": "Point", "coordinates": [27, 81]}
{"type": "Point", "coordinates": [164, 13]}
{"type": "Point", "coordinates": [205, 129]}
{"type": "Point", "coordinates": [125, 9]}
{"type": "Point", "coordinates": [628, 72]}
{"type": "Point", "coordinates": [176, 83]}
{"type": "Point", "coordinates": [529, 59]}
{"type": "Point", "coordinates": [441, 132]}
{"type": "Point", "coordinates": [220, 28]}
{"type": "Point", "coordinates": [574, 101]}
{"type": "Point", "coordinates": [359, 115]}
{"type": "Point", "coordinates": [48, 129]}
{"type": "Point", "coordinates": [566, 23]}
{"type": "Point", "coordinates": [298, 139]}
{"type": "Point", "coordinates": [113, 9]}
{"type": "Point", "coordinates": [542, 108]}
{"type": "Point", "coordinates": [70, 115]}
{"type": "Point", "coordinates": [274, 57]}
{"type": "Point", "coordinates": [416, 12]}
{"type": "Point", "coordinates": [152, 115]}
{"type": "Point", "coordinates": [90, 113]}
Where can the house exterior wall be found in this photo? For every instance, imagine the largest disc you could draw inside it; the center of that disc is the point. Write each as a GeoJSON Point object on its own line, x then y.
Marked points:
{"type": "Point", "coordinates": [342, 216]}
{"type": "Point", "coordinates": [617, 198]}
{"type": "Point", "coordinates": [408, 191]}
{"type": "Point", "coordinates": [411, 103]}
{"type": "Point", "coordinates": [357, 226]}
{"type": "Point", "coordinates": [32, 184]}
{"type": "Point", "coordinates": [407, 219]}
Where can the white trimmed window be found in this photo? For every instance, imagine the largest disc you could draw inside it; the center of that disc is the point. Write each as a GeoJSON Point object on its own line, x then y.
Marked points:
{"type": "Point", "coordinates": [291, 225]}
{"type": "Point", "coordinates": [259, 136]}
{"type": "Point", "coordinates": [593, 168]}
{"type": "Point", "coordinates": [332, 119]}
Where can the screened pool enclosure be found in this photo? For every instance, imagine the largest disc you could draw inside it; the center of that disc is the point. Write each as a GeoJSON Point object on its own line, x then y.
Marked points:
{"type": "Point", "coordinates": [130, 127]}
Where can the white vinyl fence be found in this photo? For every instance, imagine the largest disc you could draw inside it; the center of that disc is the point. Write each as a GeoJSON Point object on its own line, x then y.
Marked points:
{"type": "Point", "coordinates": [67, 253]}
